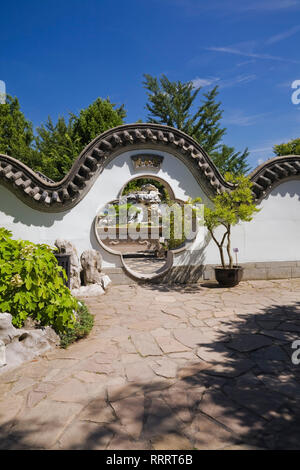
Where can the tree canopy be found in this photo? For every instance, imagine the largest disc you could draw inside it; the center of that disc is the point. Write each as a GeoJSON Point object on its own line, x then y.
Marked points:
{"type": "Point", "coordinates": [60, 144]}
{"type": "Point", "coordinates": [289, 148]}
{"type": "Point", "coordinates": [16, 132]}
{"type": "Point", "coordinates": [229, 209]}
{"type": "Point", "coordinates": [174, 104]}
{"type": "Point", "coordinates": [54, 146]}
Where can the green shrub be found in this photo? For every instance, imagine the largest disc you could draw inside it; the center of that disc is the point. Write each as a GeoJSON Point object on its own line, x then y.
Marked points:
{"type": "Point", "coordinates": [84, 324]}
{"type": "Point", "coordinates": [230, 208]}
{"type": "Point", "coordinates": [31, 285]}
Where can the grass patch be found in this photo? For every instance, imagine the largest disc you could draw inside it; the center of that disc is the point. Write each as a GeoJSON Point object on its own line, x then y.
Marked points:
{"type": "Point", "coordinates": [83, 326]}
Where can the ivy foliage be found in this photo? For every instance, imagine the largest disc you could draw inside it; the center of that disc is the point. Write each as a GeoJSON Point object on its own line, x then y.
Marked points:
{"type": "Point", "coordinates": [32, 284]}
{"type": "Point", "coordinates": [229, 209]}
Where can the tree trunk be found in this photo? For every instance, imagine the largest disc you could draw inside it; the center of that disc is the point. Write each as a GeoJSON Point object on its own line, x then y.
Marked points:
{"type": "Point", "coordinates": [229, 247]}
{"type": "Point", "coordinates": [222, 256]}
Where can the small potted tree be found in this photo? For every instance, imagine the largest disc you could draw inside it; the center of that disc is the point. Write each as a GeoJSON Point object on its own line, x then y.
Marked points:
{"type": "Point", "coordinates": [229, 209]}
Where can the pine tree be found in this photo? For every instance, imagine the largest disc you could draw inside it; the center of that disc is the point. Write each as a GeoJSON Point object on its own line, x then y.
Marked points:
{"type": "Point", "coordinates": [174, 104]}
{"type": "Point", "coordinates": [207, 130]}
{"type": "Point", "coordinates": [228, 160]}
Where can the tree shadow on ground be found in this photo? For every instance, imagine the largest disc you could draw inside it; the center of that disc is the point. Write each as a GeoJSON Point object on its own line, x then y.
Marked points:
{"type": "Point", "coordinates": [243, 389]}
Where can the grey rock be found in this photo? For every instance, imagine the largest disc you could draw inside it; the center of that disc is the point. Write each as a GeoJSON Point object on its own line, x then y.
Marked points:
{"type": "Point", "coordinates": [23, 344]}
{"type": "Point", "coordinates": [91, 262]}
{"type": "Point", "coordinates": [92, 290]}
{"type": "Point", "coordinates": [7, 331]}
{"type": "Point", "coordinates": [66, 247]}
{"type": "Point", "coordinates": [2, 354]}
{"type": "Point", "coordinates": [105, 281]}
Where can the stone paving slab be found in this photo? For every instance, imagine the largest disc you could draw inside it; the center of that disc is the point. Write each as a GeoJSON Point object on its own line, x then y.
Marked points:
{"type": "Point", "coordinates": [200, 368]}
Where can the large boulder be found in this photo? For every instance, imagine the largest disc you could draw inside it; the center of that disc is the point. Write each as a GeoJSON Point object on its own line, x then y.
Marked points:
{"type": "Point", "coordinates": [91, 262]}
{"type": "Point", "coordinates": [2, 354]}
{"type": "Point", "coordinates": [18, 345]}
{"type": "Point", "coordinates": [93, 290]}
{"type": "Point", "coordinates": [66, 247]}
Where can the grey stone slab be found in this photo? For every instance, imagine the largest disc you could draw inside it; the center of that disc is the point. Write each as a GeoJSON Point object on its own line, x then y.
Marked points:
{"type": "Point", "coordinates": [270, 353]}
{"type": "Point", "coordinates": [41, 426]}
{"type": "Point", "coordinates": [246, 343]}
{"type": "Point", "coordinates": [260, 401]}
{"type": "Point", "coordinates": [85, 435]}
{"type": "Point", "coordinates": [193, 337]}
{"type": "Point", "coordinates": [284, 336]}
{"type": "Point", "coordinates": [145, 344]}
{"type": "Point", "coordinates": [130, 411]}
{"type": "Point", "coordinates": [230, 368]}
{"type": "Point", "coordinates": [207, 434]}
{"type": "Point", "coordinates": [164, 367]}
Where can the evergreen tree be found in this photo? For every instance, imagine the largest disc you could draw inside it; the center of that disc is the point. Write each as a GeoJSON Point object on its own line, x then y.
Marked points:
{"type": "Point", "coordinates": [174, 104]}
{"type": "Point", "coordinates": [60, 144]}
{"type": "Point", "coordinates": [228, 160]}
{"type": "Point", "coordinates": [57, 148]}
{"type": "Point", "coordinates": [16, 134]}
{"type": "Point", "coordinates": [96, 119]}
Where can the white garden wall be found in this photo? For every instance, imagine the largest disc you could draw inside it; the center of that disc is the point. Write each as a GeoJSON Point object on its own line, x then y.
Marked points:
{"type": "Point", "coordinates": [272, 236]}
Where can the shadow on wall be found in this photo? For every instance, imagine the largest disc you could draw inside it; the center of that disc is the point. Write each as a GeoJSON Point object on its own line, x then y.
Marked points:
{"type": "Point", "coordinates": [241, 389]}
{"type": "Point", "coordinates": [290, 188]}
{"type": "Point", "coordinates": [12, 206]}
{"type": "Point", "coordinates": [191, 269]}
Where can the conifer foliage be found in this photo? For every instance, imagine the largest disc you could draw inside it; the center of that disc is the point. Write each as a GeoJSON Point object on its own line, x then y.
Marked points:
{"type": "Point", "coordinates": [175, 104]}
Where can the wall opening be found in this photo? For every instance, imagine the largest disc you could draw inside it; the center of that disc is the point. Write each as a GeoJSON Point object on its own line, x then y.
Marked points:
{"type": "Point", "coordinates": [139, 240]}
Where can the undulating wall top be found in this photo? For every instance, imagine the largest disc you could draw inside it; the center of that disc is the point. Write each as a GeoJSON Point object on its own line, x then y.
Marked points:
{"type": "Point", "coordinates": [44, 195]}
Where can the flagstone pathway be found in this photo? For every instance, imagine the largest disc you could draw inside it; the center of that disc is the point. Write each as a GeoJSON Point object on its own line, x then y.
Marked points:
{"type": "Point", "coordinates": [177, 368]}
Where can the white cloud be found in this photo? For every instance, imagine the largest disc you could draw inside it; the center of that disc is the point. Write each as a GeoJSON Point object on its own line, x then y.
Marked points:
{"type": "Point", "coordinates": [235, 51]}
{"type": "Point", "coordinates": [268, 5]}
{"type": "Point", "coordinates": [194, 7]}
{"type": "Point", "coordinates": [262, 149]}
{"type": "Point", "coordinates": [283, 35]}
{"type": "Point", "coordinates": [223, 83]}
{"type": "Point", "coordinates": [237, 80]}
{"type": "Point", "coordinates": [238, 118]}
{"type": "Point", "coordinates": [201, 82]}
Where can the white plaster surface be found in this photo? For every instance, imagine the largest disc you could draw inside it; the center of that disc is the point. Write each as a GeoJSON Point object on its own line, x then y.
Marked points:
{"type": "Point", "coordinates": [273, 235]}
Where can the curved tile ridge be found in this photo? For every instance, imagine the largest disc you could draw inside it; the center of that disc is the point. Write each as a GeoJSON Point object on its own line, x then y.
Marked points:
{"type": "Point", "coordinates": [44, 195]}
{"type": "Point", "coordinates": [55, 197]}
{"type": "Point", "coordinates": [272, 172]}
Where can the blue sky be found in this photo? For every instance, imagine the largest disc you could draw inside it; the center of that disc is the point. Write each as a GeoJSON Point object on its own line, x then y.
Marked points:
{"type": "Point", "coordinates": [59, 56]}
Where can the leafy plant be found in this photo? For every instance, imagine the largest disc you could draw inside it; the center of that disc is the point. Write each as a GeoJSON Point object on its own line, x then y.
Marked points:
{"type": "Point", "coordinates": [289, 148]}
{"type": "Point", "coordinates": [180, 221]}
{"type": "Point", "coordinates": [84, 324]}
{"type": "Point", "coordinates": [229, 209]}
{"type": "Point", "coordinates": [32, 284]}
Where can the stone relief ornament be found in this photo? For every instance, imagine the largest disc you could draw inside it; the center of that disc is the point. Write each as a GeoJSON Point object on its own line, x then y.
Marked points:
{"type": "Point", "coordinates": [147, 161]}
